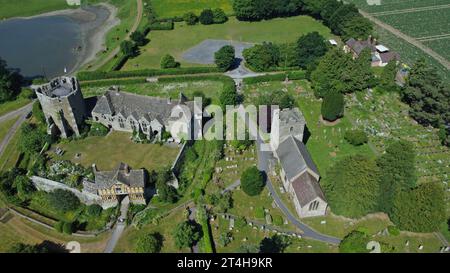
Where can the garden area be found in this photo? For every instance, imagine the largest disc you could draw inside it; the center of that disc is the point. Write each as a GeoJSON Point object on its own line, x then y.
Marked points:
{"type": "Point", "coordinates": [107, 152]}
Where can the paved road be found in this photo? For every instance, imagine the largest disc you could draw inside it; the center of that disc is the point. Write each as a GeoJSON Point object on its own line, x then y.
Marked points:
{"type": "Point", "coordinates": [120, 226]}
{"type": "Point", "coordinates": [23, 112]}
{"type": "Point", "coordinates": [263, 158]}
{"type": "Point", "coordinates": [232, 186]}
{"type": "Point", "coordinates": [192, 212]}
{"type": "Point", "coordinates": [117, 49]}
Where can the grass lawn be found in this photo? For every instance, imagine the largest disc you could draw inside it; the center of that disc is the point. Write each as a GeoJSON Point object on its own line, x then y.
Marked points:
{"type": "Point", "coordinates": [172, 8]}
{"type": "Point", "coordinates": [165, 227]}
{"type": "Point", "coordinates": [25, 8]}
{"type": "Point", "coordinates": [107, 152]}
{"type": "Point", "coordinates": [9, 106]}
{"type": "Point", "coordinates": [11, 153]}
{"type": "Point", "coordinates": [5, 126]}
{"type": "Point", "coordinates": [183, 37]}
{"type": "Point", "coordinates": [210, 89]}
{"type": "Point", "coordinates": [18, 230]}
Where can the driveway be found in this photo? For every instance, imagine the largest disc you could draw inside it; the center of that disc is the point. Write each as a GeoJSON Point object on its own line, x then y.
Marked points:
{"type": "Point", "coordinates": [12, 131]}
{"type": "Point", "coordinates": [120, 226]}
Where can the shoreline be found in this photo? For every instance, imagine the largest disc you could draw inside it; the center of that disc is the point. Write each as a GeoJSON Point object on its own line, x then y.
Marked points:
{"type": "Point", "coordinates": [94, 22]}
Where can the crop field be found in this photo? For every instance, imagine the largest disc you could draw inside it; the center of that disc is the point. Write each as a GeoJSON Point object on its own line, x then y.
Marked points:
{"type": "Point", "coordinates": [172, 8]}
{"type": "Point", "coordinates": [394, 5]}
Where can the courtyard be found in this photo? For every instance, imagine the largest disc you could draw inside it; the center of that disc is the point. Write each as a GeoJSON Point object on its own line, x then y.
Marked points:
{"type": "Point", "coordinates": [107, 152]}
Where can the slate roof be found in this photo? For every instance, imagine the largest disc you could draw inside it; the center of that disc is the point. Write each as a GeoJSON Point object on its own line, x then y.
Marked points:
{"type": "Point", "coordinates": [307, 188]}
{"type": "Point", "coordinates": [291, 116]}
{"type": "Point", "coordinates": [358, 46]}
{"type": "Point", "coordinates": [294, 157]}
{"type": "Point", "coordinates": [114, 102]}
{"type": "Point", "coordinates": [389, 56]}
{"type": "Point", "coordinates": [106, 179]}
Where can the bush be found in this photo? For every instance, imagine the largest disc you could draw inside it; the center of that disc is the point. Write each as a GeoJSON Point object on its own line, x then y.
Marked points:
{"type": "Point", "coordinates": [63, 200]}
{"type": "Point", "coordinates": [225, 57]}
{"type": "Point", "coordinates": [219, 16]}
{"type": "Point", "coordinates": [98, 129]}
{"type": "Point", "coordinates": [162, 25]}
{"type": "Point", "coordinates": [206, 17]}
{"type": "Point", "coordinates": [94, 210]}
{"type": "Point", "coordinates": [332, 106]}
{"type": "Point", "coordinates": [240, 222]}
{"type": "Point", "coordinates": [59, 226]}
{"type": "Point", "coordinates": [102, 75]}
{"type": "Point", "coordinates": [168, 61]}
{"type": "Point", "coordinates": [252, 181]}
{"type": "Point", "coordinates": [354, 242]}
{"type": "Point", "coordinates": [149, 243]}
{"type": "Point", "coordinates": [393, 230]}
{"type": "Point", "coordinates": [259, 213]}
{"type": "Point", "coordinates": [278, 220]}
{"type": "Point", "coordinates": [68, 228]}
{"type": "Point", "coordinates": [190, 18]}
{"type": "Point", "coordinates": [356, 137]}
{"type": "Point", "coordinates": [138, 38]}
{"type": "Point", "coordinates": [262, 57]}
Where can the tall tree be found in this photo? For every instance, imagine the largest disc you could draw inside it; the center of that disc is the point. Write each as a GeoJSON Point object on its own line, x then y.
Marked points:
{"type": "Point", "coordinates": [333, 106]}
{"type": "Point", "coordinates": [310, 47]}
{"type": "Point", "coordinates": [421, 209]}
{"type": "Point", "coordinates": [262, 57]}
{"type": "Point", "coordinates": [225, 57]}
{"type": "Point", "coordinates": [351, 186]}
{"type": "Point", "coordinates": [9, 82]}
{"type": "Point", "coordinates": [427, 96]}
{"type": "Point", "coordinates": [252, 181]}
{"type": "Point", "coordinates": [397, 172]}
{"type": "Point", "coordinates": [357, 27]}
{"type": "Point", "coordinates": [387, 78]}
{"type": "Point", "coordinates": [187, 234]}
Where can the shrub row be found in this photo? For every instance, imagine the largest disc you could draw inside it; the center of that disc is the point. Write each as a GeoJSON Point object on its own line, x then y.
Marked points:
{"type": "Point", "coordinates": [291, 75]}
{"type": "Point", "coordinates": [191, 78]}
{"type": "Point", "coordinates": [111, 82]}
{"type": "Point", "coordinates": [100, 75]}
{"type": "Point", "coordinates": [162, 25]}
{"type": "Point", "coordinates": [119, 62]}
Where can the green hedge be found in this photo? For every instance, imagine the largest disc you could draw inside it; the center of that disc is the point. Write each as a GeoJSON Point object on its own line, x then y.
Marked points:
{"type": "Point", "coordinates": [119, 62]}
{"type": "Point", "coordinates": [190, 78]}
{"type": "Point", "coordinates": [162, 25]}
{"type": "Point", "coordinates": [100, 75]}
{"type": "Point", "coordinates": [292, 75]}
{"type": "Point", "coordinates": [112, 82]}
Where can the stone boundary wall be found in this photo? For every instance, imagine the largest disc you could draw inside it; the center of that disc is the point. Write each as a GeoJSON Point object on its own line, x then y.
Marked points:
{"type": "Point", "coordinates": [178, 160]}
{"type": "Point", "coordinates": [49, 185]}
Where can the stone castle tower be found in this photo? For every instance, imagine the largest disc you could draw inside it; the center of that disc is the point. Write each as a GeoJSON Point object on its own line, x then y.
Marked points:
{"type": "Point", "coordinates": [63, 106]}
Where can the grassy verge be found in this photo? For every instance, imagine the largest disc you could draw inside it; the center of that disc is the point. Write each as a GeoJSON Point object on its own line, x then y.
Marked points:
{"type": "Point", "coordinates": [5, 126]}
{"type": "Point", "coordinates": [9, 106]}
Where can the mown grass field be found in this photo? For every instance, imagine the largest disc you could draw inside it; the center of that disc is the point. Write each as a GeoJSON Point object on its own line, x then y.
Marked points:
{"type": "Point", "coordinates": [183, 37]}
{"type": "Point", "coordinates": [9, 106]}
{"type": "Point", "coordinates": [172, 8]}
{"type": "Point", "coordinates": [107, 152]}
{"type": "Point", "coordinates": [18, 230]}
{"type": "Point", "coordinates": [25, 8]}
{"type": "Point", "coordinates": [5, 126]}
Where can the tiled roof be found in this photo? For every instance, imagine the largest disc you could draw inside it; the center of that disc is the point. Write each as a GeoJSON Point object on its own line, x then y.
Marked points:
{"type": "Point", "coordinates": [307, 188]}
{"type": "Point", "coordinates": [106, 179]}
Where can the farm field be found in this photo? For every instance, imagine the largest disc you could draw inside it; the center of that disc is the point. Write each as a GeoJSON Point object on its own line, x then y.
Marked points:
{"type": "Point", "coordinates": [183, 37]}
{"type": "Point", "coordinates": [172, 8]}
{"type": "Point", "coordinates": [391, 5]}
{"type": "Point", "coordinates": [24, 8]}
